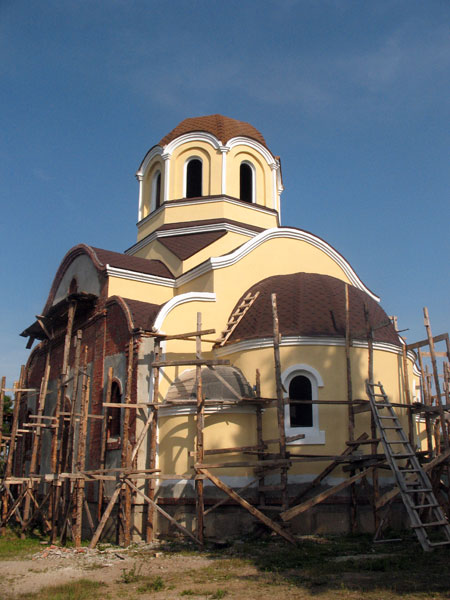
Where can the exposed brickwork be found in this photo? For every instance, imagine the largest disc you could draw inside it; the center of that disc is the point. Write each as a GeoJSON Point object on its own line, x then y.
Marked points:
{"type": "Point", "coordinates": [106, 332]}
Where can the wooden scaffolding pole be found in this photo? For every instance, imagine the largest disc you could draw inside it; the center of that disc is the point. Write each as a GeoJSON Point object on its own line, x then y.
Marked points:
{"type": "Point", "coordinates": [12, 447]}
{"type": "Point", "coordinates": [103, 442]}
{"type": "Point", "coordinates": [426, 399]}
{"type": "Point", "coordinates": [280, 402]}
{"type": "Point", "coordinates": [436, 378]}
{"type": "Point", "coordinates": [37, 433]}
{"type": "Point", "coordinates": [81, 461]}
{"type": "Point", "coordinates": [125, 497]}
{"type": "Point", "coordinates": [55, 465]}
{"type": "Point", "coordinates": [351, 413]}
{"type": "Point", "coordinates": [373, 427]}
{"type": "Point", "coordinates": [200, 422]}
{"type": "Point", "coordinates": [2, 405]}
{"type": "Point", "coordinates": [150, 530]}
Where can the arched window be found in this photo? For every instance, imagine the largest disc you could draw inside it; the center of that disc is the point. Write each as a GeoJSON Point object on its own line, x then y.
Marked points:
{"type": "Point", "coordinates": [194, 174]}
{"type": "Point", "coordinates": [246, 182]}
{"type": "Point", "coordinates": [302, 382]}
{"type": "Point", "coordinates": [156, 191]}
{"type": "Point", "coordinates": [300, 415]}
{"type": "Point", "coordinates": [114, 412]}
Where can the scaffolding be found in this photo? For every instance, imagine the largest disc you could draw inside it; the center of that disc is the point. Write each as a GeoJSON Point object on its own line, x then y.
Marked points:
{"type": "Point", "coordinates": [60, 501]}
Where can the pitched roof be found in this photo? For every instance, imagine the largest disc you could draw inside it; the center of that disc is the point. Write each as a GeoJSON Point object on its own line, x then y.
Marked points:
{"type": "Point", "coordinates": [224, 128]}
{"type": "Point", "coordinates": [310, 304]}
{"type": "Point", "coordinates": [132, 263]}
{"type": "Point", "coordinates": [142, 314]}
{"type": "Point", "coordinates": [185, 246]}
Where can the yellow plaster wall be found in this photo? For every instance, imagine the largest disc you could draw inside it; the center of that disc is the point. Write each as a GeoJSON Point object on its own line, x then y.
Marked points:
{"type": "Point", "coordinates": [177, 434]}
{"type": "Point", "coordinates": [157, 251]}
{"type": "Point", "coordinates": [177, 439]}
{"type": "Point", "coordinates": [137, 290]}
{"type": "Point", "coordinates": [278, 256]}
{"type": "Point", "coordinates": [210, 209]}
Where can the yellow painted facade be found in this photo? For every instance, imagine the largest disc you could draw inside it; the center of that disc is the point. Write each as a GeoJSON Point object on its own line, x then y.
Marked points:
{"type": "Point", "coordinates": [211, 281]}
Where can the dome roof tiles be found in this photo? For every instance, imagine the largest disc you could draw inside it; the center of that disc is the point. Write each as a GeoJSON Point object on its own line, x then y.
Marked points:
{"type": "Point", "coordinates": [311, 305]}
{"type": "Point", "coordinates": [223, 128]}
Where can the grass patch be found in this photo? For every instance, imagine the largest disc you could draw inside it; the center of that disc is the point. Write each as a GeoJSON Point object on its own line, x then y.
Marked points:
{"type": "Point", "coordinates": [217, 595]}
{"type": "Point", "coordinates": [130, 575]}
{"type": "Point", "coordinates": [12, 546]}
{"type": "Point", "coordinates": [83, 589]}
{"type": "Point", "coordinates": [152, 584]}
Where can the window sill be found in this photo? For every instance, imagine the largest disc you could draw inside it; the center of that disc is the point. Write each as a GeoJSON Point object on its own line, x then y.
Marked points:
{"type": "Point", "coordinates": [312, 436]}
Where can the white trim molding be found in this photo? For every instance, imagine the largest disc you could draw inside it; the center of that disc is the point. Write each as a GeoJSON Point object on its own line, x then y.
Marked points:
{"type": "Point", "coordinates": [313, 435]}
{"type": "Point", "coordinates": [137, 276]}
{"type": "Point", "coordinates": [176, 301]}
{"type": "Point", "coordinates": [245, 141]}
{"type": "Point", "coordinates": [298, 340]}
{"type": "Point", "coordinates": [155, 151]}
{"type": "Point", "coordinates": [194, 136]}
{"type": "Point", "coordinates": [276, 233]}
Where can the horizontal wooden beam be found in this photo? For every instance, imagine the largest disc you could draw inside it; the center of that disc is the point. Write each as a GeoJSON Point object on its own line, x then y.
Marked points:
{"type": "Point", "coordinates": [436, 339]}
{"type": "Point", "coordinates": [189, 362]}
{"type": "Point", "coordinates": [304, 506]}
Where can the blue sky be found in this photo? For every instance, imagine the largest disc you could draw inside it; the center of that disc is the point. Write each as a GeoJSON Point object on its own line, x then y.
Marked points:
{"type": "Point", "coordinates": [353, 95]}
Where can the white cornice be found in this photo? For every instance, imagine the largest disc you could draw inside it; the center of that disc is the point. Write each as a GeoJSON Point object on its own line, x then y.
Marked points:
{"type": "Point", "coordinates": [195, 136]}
{"type": "Point", "coordinates": [276, 233]}
{"type": "Point", "coordinates": [236, 202]}
{"type": "Point", "coordinates": [137, 276]}
{"type": "Point", "coordinates": [188, 231]}
{"type": "Point", "coordinates": [294, 340]}
{"type": "Point", "coordinates": [176, 301]}
{"type": "Point", "coordinates": [245, 141]}
{"type": "Point", "coordinates": [155, 151]}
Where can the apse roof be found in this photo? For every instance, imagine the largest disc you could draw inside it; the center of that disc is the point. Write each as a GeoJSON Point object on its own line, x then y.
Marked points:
{"type": "Point", "coordinates": [310, 304]}
{"type": "Point", "coordinates": [223, 128]}
{"type": "Point", "coordinates": [132, 263]}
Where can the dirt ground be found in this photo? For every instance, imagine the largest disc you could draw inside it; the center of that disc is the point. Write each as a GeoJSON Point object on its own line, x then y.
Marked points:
{"type": "Point", "coordinates": [317, 568]}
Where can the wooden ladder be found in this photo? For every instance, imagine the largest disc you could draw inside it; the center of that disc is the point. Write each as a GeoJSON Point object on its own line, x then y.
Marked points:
{"type": "Point", "coordinates": [237, 316]}
{"type": "Point", "coordinates": [425, 513]}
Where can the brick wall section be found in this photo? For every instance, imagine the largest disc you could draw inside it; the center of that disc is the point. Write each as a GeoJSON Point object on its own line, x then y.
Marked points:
{"type": "Point", "coordinates": [105, 332]}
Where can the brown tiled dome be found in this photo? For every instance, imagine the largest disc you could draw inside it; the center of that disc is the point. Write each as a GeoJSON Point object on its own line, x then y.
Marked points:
{"type": "Point", "coordinates": [222, 127]}
{"type": "Point", "coordinates": [311, 305]}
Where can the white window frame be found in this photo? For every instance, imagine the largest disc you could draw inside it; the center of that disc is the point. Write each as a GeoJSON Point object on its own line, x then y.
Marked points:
{"type": "Point", "coordinates": [313, 435]}
{"type": "Point", "coordinates": [252, 168]}
{"type": "Point", "coordinates": [185, 173]}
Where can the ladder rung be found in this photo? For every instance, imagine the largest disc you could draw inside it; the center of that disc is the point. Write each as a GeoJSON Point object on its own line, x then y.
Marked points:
{"type": "Point", "coordinates": [395, 427]}
{"type": "Point", "coordinates": [398, 442]}
{"type": "Point", "coordinates": [430, 524]}
{"type": "Point", "coordinates": [420, 506]}
{"type": "Point", "coordinates": [416, 491]}
{"type": "Point", "coordinates": [409, 470]}
{"type": "Point", "coordinates": [440, 543]}
{"type": "Point", "coordinates": [387, 417]}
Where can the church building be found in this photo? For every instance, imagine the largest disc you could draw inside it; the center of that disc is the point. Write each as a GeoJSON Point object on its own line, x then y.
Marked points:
{"type": "Point", "coordinates": [210, 255]}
